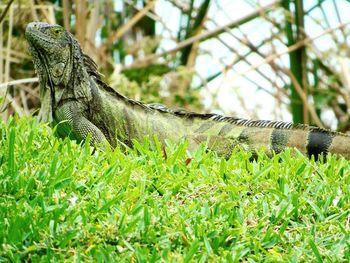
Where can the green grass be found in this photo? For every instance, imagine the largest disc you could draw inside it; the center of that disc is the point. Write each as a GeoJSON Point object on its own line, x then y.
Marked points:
{"type": "Point", "coordinates": [60, 202]}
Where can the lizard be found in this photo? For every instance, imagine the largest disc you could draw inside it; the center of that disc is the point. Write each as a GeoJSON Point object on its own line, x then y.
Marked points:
{"type": "Point", "coordinates": [74, 96]}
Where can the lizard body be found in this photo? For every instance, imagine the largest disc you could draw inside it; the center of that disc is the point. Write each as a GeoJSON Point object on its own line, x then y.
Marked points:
{"type": "Point", "coordinates": [73, 94]}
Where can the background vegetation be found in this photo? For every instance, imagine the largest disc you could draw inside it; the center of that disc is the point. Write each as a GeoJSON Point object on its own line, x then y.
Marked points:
{"type": "Point", "coordinates": [292, 53]}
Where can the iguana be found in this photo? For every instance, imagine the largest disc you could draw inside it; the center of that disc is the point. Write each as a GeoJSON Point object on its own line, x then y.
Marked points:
{"type": "Point", "coordinates": [73, 94]}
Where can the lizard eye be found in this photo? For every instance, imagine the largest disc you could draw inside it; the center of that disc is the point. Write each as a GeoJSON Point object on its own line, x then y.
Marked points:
{"type": "Point", "coordinates": [56, 31]}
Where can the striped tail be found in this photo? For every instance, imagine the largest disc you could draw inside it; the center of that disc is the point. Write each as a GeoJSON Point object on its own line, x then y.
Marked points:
{"type": "Point", "coordinates": [311, 141]}
{"type": "Point", "coordinates": [222, 134]}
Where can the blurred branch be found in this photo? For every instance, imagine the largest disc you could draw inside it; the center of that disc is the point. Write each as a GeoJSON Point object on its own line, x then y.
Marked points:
{"type": "Point", "coordinates": [126, 27]}
{"type": "Point", "coordinates": [17, 82]}
{"type": "Point", "coordinates": [3, 14]}
{"type": "Point", "coordinates": [297, 45]}
{"type": "Point", "coordinates": [303, 97]}
{"type": "Point", "coordinates": [66, 13]}
{"type": "Point", "coordinates": [203, 36]}
{"type": "Point", "coordinates": [33, 10]}
{"type": "Point", "coordinates": [252, 49]}
{"type": "Point", "coordinates": [345, 76]}
{"type": "Point", "coordinates": [151, 15]}
{"type": "Point", "coordinates": [14, 53]}
{"type": "Point", "coordinates": [194, 27]}
{"type": "Point", "coordinates": [256, 50]}
{"type": "Point", "coordinates": [8, 48]}
{"type": "Point", "coordinates": [80, 14]}
{"type": "Point", "coordinates": [336, 9]}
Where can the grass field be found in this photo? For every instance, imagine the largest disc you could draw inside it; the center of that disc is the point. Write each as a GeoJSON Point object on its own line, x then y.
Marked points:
{"type": "Point", "coordinates": [60, 202]}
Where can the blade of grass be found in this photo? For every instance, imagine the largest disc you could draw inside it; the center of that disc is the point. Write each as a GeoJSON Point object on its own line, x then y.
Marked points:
{"type": "Point", "coordinates": [11, 152]}
{"type": "Point", "coordinates": [316, 251]}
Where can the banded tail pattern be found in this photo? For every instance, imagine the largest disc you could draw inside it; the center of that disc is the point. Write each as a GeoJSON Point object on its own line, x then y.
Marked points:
{"type": "Point", "coordinates": [224, 133]}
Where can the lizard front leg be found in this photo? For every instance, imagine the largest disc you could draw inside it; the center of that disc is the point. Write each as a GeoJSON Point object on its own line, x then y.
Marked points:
{"type": "Point", "coordinates": [73, 121]}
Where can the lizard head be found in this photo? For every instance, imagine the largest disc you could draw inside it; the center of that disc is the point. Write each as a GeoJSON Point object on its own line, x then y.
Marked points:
{"type": "Point", "coordinates": [51, 48]}
{"type": "Point", "coordinates": [59, 62]}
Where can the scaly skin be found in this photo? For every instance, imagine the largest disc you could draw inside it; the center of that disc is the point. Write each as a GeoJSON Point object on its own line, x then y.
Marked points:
{"type": "Point", "coordinates": [74, 95]}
